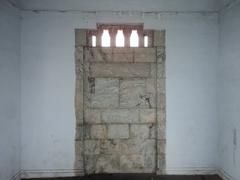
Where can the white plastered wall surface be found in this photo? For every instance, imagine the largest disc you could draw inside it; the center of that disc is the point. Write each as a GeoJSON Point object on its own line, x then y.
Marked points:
{"type": "Point", "coordinates": [229, 85]}
{"type": "Point", "coordinates": [9, 91]}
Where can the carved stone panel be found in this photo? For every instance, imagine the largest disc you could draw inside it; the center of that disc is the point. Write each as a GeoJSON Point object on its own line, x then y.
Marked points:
{"type": "Point", "coordinates": [120, 108]}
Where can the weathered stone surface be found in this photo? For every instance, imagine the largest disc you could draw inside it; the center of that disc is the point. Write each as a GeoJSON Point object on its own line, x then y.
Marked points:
{"type": "Point", "coordinates": [79, 133]}
{"type": "Point", "coordinates": [115, 146]}
{"type": "Point", "coordinates": [90, 163]}
{"type": "Point", "coordinates": [151, 90]}
{"type": "Point", "coordinates": [153, 72]}
{"type": "Point", "coordinates": [107, 147]}
{"type": "Point", "coordinates": [107, 164]}
{"type": "Point", "coordinates": [122, 156]}
{"type": "Point", "coordinates": [161, 101]}
{"type": "Point", "coordinates": [122, 55]}
{"type": "Point", "coordinates": [147, 115]}
{"type": "Point", "coordinates": [98, 54]}
{"type": "Point", "coordinates": [153, 130]}
{"type": "Point", "coordinates": [79, 149]}
{"type": "Point", "coordinates": [118, 131]}
{"type": "Point", "coordinates": [80, 37]}
{"type": "Point", "coordinates": [98, 132]}
{"type": "Point", "coordinates": [161, 133]}
{"type": "Point", "coordinates": [120, 116]}
{"type": "Point", "coordinates": [91, 147]}
{"type": "Point", "coordinates": [128, 146]}
{"type": "Point", "coordinates": [141, 131]}
{"type": "Point", "coordinates": [161, 146]}
{"type": "Point", "coordinates": [92, 116]}
{"type": "Point", "coordinates": [161, 55]}
{"type": "Point", "coordinates": [149, 162]}
{"type": "Point", "coordinates": [161, 166]}
{"type": "Point", "coordinates": [145, 55]}
{"type": "Point", "coordinates": [162, 118]}
{"type": "Point", "coordinates": [79, 85]}
{"type": "Point", "coordinates": [159, 38]}
{"type": "Point", "coordinates": [151, 84]}
{"type": "Point", "coordinates": [129, 163]}
{"type": "Point", "coordinates": [87, 131]}
{"type": "Point", "coordinates": [106, 93]}
{"type": "Point", "coordinates": [161, 87]}
{"type": "Point", "coordinates": [132, 93]}
{"type": "Point", "coordinates": [141, 146]}
{"type": "Point", "coordinates": [120, 70]}
{"type": "Point", "coordinates": [160, 71]}
{"type": "Point", "coordinates": [78, 154]}
{"type": "Point", "coordinates": [79, 57]}
{"type": "Point", "coordinates": [121, 86]}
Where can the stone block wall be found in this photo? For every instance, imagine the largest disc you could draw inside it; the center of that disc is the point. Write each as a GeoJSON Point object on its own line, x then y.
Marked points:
{"type": "Point", "coordinates": [120, 108]}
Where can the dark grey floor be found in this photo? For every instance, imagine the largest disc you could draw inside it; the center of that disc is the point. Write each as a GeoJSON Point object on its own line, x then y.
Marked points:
{"type": "Point", "coordinates": [136, 177]}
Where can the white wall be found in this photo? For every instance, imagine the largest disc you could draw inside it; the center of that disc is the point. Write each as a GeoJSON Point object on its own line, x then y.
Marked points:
{"type": "Point", "coordinates": [47, 93]}
{"type": "Point", "coordinates": [229, 96]}
{"type": "Point", "coordinates": [123, 5]}
{"type": "Point", "coordinates": [9, 91]}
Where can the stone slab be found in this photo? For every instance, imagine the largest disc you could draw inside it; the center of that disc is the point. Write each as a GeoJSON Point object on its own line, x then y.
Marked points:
{"type": "Point", "coordinates": [91, 147]}
{"type": "Point", "coordinates": [120, 116]}
{"type": "Point", "coordinates": [80, 37]}
{"type": "Point", "coordinates": [105, 93]}
{"type": "Point", "coordinates": [120, 69]}
{"type": "Point", "coordinates": [147, 115]}
{"type": "Point", "coordinates": [123, 55]}
{"type": "Point", "coordinates": [145, 55]}
{"type": "Point", "coordinates": [141, 131]}
{"type": "Point", "coordinates": [132, 93]}
{"type": "Point", "coordinates": [118, 131]}
{"type": "Point", "coordinates": [92, 116]}
{"type": "Point", "coordinates": [98, 132]}
{"type": "Point", "coordinates": [98, 54]}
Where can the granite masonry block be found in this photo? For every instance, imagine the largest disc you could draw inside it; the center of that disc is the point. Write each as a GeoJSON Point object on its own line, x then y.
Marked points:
{"type": "Point", "coordinates": [105, 93]}
{"type": "Point", "coordinates": [120, 70]}
{"type": "Point", "coordinates": [118, 131]}
{"type": "Point", "coordinates": [145, 55]}
{"type": "Point", "coordinates": [120, 116]}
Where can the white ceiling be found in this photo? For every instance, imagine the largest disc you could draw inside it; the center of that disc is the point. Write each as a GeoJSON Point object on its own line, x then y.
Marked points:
{"type": "Point", "coordinates": [126, 5]}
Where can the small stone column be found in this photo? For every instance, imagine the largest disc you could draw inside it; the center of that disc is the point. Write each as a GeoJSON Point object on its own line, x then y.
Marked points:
{"type": "Point", "coordinates": [113, 33]}
{"type": "Point", "coordinates": [127, 34]}
{"type": "Point", "coordinates": [99, 38]}
{"type": "Point", "coordinates": [141, 38]}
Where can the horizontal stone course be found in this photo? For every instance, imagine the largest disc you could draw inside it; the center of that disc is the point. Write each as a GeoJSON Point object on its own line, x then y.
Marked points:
{"type": "Point", "coordinates": [145, 55]}
{"type": "Point", "coordinates": [107, 163]}
{"type": "Point", "coordinates": [80, 37]}
{"type": "Point", "coordinates": [98, 131]}
{"type": "Point", "coordinates": [120, 116]}
{"type": "Point", "coordinates": [123, 55]}
{"type": "Point", "coordinates": [159, 38]}
{"type": "Point", "coordinates": [92, 147]}
{"type": "Point", "coordinates": [118, 131]}
{"type": "Point", "coordinates": [131, 162]}
{"type": "Point", "coordinates": [106, 93]}
{"type": "Point", "coordinates": [132, 93]}
{"type": "Point", "coordinates": [127, 146]}
{"type": "Point", "coordinates": [141, 131]}
{"type": "Point", "coordinates": [120, 70]}
{"type": "Point", "coordinates": [147, 115]}
{"type": "Point", "coordinates": [79, 133]}
{"type": "Point", "coordinates": [98, 54]}
{"type": "Point", "coordinates": [92, 116]}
